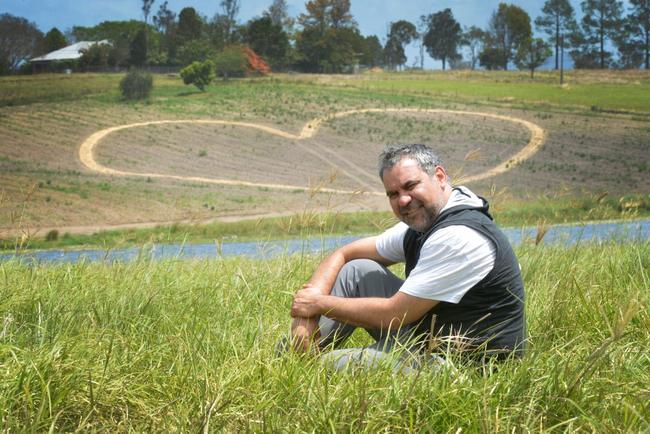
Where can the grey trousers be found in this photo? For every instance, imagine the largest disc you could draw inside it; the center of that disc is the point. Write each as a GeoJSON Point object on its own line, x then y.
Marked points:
{"type": "Point", "coordinates": [366, 278]}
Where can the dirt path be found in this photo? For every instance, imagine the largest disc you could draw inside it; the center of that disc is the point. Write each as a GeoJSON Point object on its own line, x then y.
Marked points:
{"type": "Point", "coordinates": [311, 128]}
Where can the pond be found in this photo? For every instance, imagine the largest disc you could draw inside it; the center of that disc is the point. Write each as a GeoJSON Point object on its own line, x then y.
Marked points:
{"type": "Point", "coordinates": [567, 235]}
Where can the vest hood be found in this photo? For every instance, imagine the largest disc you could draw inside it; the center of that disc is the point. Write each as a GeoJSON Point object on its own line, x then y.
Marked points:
{"type": "Point", "coordinates": [462, 196]}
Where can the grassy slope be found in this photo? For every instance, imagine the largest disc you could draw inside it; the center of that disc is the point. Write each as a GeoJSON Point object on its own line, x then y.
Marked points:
{"type": "Point", "coordinates": [283, 96]}
{"type": "Point", "coordinates": [185, 345]}
{"type": "Point", "coordinates": [591, 96]}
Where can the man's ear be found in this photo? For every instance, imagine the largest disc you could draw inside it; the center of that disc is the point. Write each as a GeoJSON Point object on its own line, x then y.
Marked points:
{"type": "Point", "coordinates": [440, 174]}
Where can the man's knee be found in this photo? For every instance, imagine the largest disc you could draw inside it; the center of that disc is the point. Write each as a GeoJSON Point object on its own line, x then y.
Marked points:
{"type": "Point", "coordinates": [360, 267]}
{"type": "Point", "coordinates": [352, 274]}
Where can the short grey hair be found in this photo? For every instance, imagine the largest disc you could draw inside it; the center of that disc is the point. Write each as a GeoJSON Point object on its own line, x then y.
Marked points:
{"type": "Point", "coordinates": [422, 154]}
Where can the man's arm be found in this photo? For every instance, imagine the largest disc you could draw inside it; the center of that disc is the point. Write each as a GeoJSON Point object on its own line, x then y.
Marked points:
{"type": "Point", "coordinates": [371, 312]}
{"type": "Point", "coordinates": [305, 328]}
{"type": "Point", "coordinates": [325, 275]}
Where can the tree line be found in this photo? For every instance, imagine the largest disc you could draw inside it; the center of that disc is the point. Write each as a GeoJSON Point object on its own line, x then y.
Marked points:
{"type": "Point", "coordinates": [326, 38]}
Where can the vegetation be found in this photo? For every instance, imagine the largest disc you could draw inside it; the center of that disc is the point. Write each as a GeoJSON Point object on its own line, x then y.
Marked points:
{"type": "Point", "coordinates": [136, 84]}
{"type": "Point", "coordinates": [199, 74]}
{"type": "Point", "coordinates": [19, 41]}
{"type": "Point", "coordinates": [564, 182]}
{"type": "Point", "coordinates": [540, 213]}
{"type": "Point", "coordinates": [327, 39]}
{"type": "Point", "coordinates": [401, 33]}
{"type": "Point", "coordinates": [268, 40]}
{"type": "Point", "coordinates": [557, 21]}
{"type": "Point", "coordinates": [231, 62]}
{"type": "Point", "coordinates": [443, 36]}
{"type": "Point", "coordinates": [531, 54]}
{"type": "Point", "coordinates": [54, 40]}
{"type": "Point", "coordinates": [189, 346]}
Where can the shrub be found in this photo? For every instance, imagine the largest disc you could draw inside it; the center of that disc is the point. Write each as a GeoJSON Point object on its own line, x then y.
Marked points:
{"type": "Point", "coordinates": [52, 235]}
{"type": "Point", "coordinates": [231, 62]}
{"type": "Point", "coordinates": [136, 84]}
{"type": "Point", "coordinates": [200, 74]}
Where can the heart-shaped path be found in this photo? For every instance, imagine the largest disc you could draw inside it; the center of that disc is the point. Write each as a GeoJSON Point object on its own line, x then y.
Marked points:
{"type": "Point", "coordinates": [87, 148]}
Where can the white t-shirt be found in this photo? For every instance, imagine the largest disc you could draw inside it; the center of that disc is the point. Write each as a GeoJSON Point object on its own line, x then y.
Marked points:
{"type": "Point", "coordinates": [452, 260]}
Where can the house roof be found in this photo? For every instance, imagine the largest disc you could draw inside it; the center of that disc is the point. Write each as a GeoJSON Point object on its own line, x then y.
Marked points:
{"type": "Point", "coordinates": [71, 52]}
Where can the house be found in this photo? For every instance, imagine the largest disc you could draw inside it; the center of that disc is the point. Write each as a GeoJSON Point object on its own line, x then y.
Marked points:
{"type": "Point", "coordinates": [65, 56]}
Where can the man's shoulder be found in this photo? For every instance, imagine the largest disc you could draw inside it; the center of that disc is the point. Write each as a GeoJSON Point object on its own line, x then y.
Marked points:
{"type": "Point", "coordinates": [455, 237]}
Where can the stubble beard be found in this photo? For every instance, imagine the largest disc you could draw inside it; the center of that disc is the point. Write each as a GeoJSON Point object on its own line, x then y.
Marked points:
{"type": "Point", "coordinates": [421, 218]}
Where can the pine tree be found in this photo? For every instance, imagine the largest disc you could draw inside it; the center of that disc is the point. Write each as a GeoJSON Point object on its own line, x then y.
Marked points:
{"type": "Point", "coordinates": [601, 23]}
{"type": "Point", "coordinates": [558, 20]}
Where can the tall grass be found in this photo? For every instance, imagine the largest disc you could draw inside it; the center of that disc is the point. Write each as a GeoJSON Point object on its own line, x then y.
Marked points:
{"type": "Point", "coordinates": [189, 346]}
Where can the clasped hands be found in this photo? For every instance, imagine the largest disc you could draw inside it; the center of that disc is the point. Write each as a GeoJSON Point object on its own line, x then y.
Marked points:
{"type": "Point", "coordinates": [305, 302]}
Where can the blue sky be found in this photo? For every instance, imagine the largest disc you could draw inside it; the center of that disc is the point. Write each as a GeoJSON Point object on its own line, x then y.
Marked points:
{"type": "Point", "coordinates": [373, 16]}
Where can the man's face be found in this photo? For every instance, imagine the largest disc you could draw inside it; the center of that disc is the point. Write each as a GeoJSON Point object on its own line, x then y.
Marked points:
{"type": "Point", "coordinates": [415, 196]}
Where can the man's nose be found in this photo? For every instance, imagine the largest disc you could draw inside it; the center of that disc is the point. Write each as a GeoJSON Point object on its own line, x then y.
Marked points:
{"type": "Point", "coordinates": [404, 200]}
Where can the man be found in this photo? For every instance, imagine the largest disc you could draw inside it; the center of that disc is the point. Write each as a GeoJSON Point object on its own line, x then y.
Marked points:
{"type": "Point", "coordinates": [463, 289]}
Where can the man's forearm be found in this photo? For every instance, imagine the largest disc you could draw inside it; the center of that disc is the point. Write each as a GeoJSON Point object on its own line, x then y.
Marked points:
{"type": "Point", "coordinates": [371, 312]}
{"type": "Point", "coordinates": [324, 276]}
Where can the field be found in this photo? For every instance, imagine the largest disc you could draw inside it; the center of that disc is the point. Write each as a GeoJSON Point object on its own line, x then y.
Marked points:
{"type": "Point", "coordinates": [177, 345]}
{"type": "Point", "coordinates": [596, 136]}
{"type": "Point", "coordinates": [189, 346]}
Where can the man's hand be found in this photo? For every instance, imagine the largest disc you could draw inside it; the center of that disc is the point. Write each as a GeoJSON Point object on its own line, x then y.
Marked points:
{"type": "Point", "coordinates": [304, 333]}
{"type": "Point", "coordinates": [305, 302]}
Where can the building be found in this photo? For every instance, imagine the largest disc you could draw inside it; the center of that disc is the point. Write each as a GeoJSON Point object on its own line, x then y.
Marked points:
{"type": "Point", "coordinates": [64, 58]}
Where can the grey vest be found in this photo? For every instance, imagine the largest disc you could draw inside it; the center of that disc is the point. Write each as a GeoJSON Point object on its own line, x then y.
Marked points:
{"type": "Point", "coordinates": [490, 316]}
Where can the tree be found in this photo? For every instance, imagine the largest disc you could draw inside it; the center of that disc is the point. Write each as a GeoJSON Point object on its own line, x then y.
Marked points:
{"type": "Point", "coordinates": [634, 43]}
{"type": "Point", "coordinates": [443, 36]}
{"type": "Point", "coordinates": [279, 15]}
{"type": "Point", "coordinates": [532, 54]}
{"type": "Point", "coordinates": [509, 27]}
{"type": "Point", "coordinates": [54, 40]}
{"type": "Point", "coordinates": [138, 49]}
{"type": "Point", "coordinates": [218, 29]}
{"type": "Point", "coordinates": [190, 25]}
{"type": "Point", "coordinates": [120, 33]}
{"type": "Point", "coordinates": [329, 39]}
{"type": "Point", "coordinates": [557, 21]}
{"type": "Point", "coordinates": [165, 22]}
{"type": "Point", "coordinates": [230, 11]}
{"type": "Point", "coordinates": [194, 50]}
{"type": "Point", "coordinates": [394, 54]}
{"type": "Point", "coordinates": [112, 30]}
{"type": "Point", "coordinates": [146, 9]}
{"type": "Point", "coordinates": [324, 14]}
{"type": "Point", "coordinates": [423, 28]}
{"type": "Point", "coordinates": [200, 74]}
{"type": "Point", "coordinates": [19, 41]}
{"type": "Point", "coordinates": [373, 52]}
{"type": "Point", "coordinates": [401, 33]}
{"type": "Point", "coordinates": [98, 55]}
{"type": "Point", "coordinates": [473, 38]}
{"type": "Point", "coordinates": [601, 23]}
{"type": "Point", "coordinates": [268, 40]}
{"type": "Point", "coordinates": [332, 52]}
{"type": "Point", "coordinates": [491, 58]}
{"type": "Point", "coordinates": [340, 14]}
{"type": "Point", "coordinates": [231, 62]}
